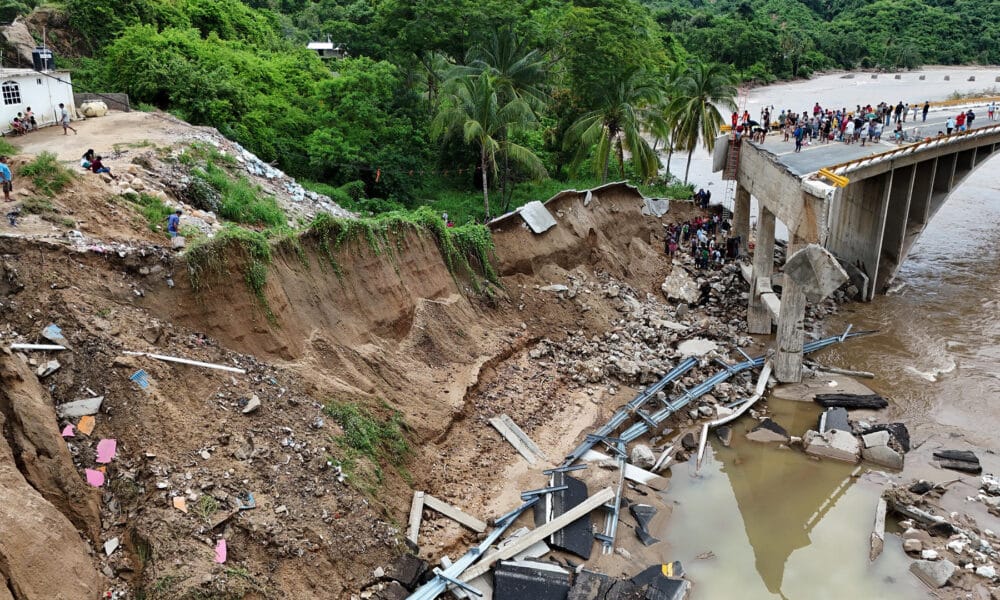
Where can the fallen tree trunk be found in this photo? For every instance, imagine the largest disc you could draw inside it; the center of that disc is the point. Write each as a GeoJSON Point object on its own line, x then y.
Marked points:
{"type": "Point", "coordinates": [851, 401]}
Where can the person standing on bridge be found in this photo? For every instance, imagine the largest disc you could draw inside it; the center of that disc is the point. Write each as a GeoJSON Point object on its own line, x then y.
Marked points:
{"type": "Point", "coordinates": [990, 110]}
{"type": "Point", "coordinates": [950, 125]}
{"type": "Point", "coordinates": [927, 107]}
{"type": "Point", "coordinates": [799, 134]}
{"type": "Point", "coordinates": [969, 118]}
{"type": "Point", "coordinates": [960, 121]}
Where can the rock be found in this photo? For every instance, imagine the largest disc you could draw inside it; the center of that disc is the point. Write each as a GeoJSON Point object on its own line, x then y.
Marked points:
{"type": "Point", "coordinates": [884, 456]}
{"type": "Point", "coordinates": [688, 442]}
{"type": "Point", "coordinates": [152, 333]}
{"type": "Point", "coordinates": [921, 487]}
{"type": "Point", "coordinates": [768, 431]}
{"type": "Point", "coordinates": [877, 438]}
{"type": "Point", "coordinates": [555, 288]}
{"type": "Point", "coordinates": [378, 573]}
{"type": "Point", "coordinates": [912, 545]}
{"type": "Point", "coordinates": [94, 108]}
{"type": "Point", "coordinates": [80, 408]}
{"type": "Point", "coordinates": [48, 368]}
{"type": "Point", "coordinates": [956, 546]}
{"type": "Point", "coordinates": [680, 286]}
{"type": "Point", "coordinates": [935, 574]}
{"type": "Point", "coordinates": [110, 546]}
{"type": "Point", "coordinates": [960, 455]}
{"type": "Point", "coordinates": [898, 431]}
{"type": "Point", "coordinates": [696, 347]}
{"type": "Point", "coordinates": [988, 571]}
{"type": "Point", "coordinates": [706, 411]}
{"type": "Point", "coordinates": [990, 485]}
{"type": "Point", "coordinates": [392, 591]}
{"type": "Point", "coordinates": [838, 445]}
{"type": "Point", "coordinates": [252, 405]}
{"type": "Point", "coordinates": [836, 418]}
{"type": "Point", "coordinates": [725, 434]}
{"type": "Point", "coordinates": [929, 554]}
{"type": "Point", "coordinates": [407, 570]}
{"type": "Point", "coordinates": [642, 456]}
{"type": "Point", "coordinates": [917, 534]}
{"type": "Point", "coordinates": [138, 184]}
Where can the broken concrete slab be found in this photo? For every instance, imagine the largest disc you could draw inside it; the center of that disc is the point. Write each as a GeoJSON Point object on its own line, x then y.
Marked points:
{"type": "Point", "coordinates": [935, 574]}
{"type": "Point", "coordinates": [836, 444]}
{"type": "Point", "coordinates": [596, 586]}
{"type": "Point", "coordinates": [817, 270]}
{"type": "Point", "coordinates": [961, 465]}
{"type": "Point", "coordinates": [517, 438]}
{"type": "Point", "coordinates": [655, 207]}
{"type": "Point", "coordinates": [696, 347]}
{"type": "Point", "coordinates": [898, 431]}
{"type": "Point", "coordinates": [884, 456]}
{"type": "Point", "coordinates": [834, 418]}
{"type": "Point", "coordinates": [632, 472]}
{"type": "Point", "coordinates": [555, 288]}
{"type": "Point", "coordinates": [537, 217]}
{"type": "Point", "coordinates": [876, 438]}
{"type": "Point", "coordinates": [407, 570]}
{"type": "Point", "coordinates": [252, 405]}
{"type": "Point", "coordinates": [768, 431]}
{"type": "Point", "coordinates": [642, 456]}
{"type": "Point", "coordinates": [851, 401]}
{"type": "Point", "coordinates": [80, 408]}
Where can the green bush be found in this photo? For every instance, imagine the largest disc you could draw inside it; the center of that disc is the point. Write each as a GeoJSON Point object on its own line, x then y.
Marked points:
{"type": "Point", "coordinates": [377, 439]}
{"type": "Point", "coordinates": [241, 201]}
{"type": "Point", "coordinates": [151, 207]}
{"type": "Point", "coordinates": [47, 174]}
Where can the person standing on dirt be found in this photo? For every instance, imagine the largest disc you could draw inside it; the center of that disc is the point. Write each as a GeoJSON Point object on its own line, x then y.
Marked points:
{"type": "Point", "coordinates": [173, 223]}
{"type": "Point", "coordinates": [64, 119]}
{"type": "Point", "coordinates": [6, 178]}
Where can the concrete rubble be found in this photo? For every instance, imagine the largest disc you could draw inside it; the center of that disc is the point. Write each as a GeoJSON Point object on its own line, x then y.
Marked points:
{"type": "Point", "coordinates": [836, 445]}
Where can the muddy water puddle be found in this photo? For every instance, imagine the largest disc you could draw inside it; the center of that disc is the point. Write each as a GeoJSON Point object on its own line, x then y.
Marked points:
{"type": "Point", "coordinates": [778, 524]}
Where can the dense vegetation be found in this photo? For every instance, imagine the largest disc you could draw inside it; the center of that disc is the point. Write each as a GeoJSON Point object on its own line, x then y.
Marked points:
{"type": "Point", "coordinates": [444, 100]}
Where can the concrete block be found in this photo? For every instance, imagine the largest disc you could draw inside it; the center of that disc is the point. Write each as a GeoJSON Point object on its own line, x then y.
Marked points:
{"type": "Point", "coordinates": [884, 456]}
{"type": "Point", "coordinates": [80, 408]}
{"type": "Point", "coordinates": [768, 431]}
{"type": "Point", "coordinates": [537, 217]}
{"type": "Point", "coordinates": [816, 270]}
{"type": "Point", "coordinates": [836, 444]}
{"type": "Point", "coordinates": [655, 207]}
{"type": "Point", "coordinates": [877, 438]}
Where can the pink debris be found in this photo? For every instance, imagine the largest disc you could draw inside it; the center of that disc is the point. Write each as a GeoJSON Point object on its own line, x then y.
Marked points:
{"type": "Point", "coordinates": [69, 431]}
{"type": "Point", "coordinates": [220, 552]}
{"type": "Point", "coordinates": [106, 450]}
{"type": "Point", "coordinates": [95, 478]}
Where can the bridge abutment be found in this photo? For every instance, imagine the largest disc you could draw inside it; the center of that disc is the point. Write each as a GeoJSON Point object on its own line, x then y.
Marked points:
{"type": "Point", "coordinates": [758, 317]}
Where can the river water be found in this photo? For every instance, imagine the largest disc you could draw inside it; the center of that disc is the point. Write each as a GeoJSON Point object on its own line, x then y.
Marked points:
{"type": "Point", "coordinates": [779, 525]}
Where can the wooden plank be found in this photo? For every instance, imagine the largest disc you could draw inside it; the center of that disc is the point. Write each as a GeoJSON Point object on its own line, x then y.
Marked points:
{"type": "Point", "coordinates": [632, 472]}
{"type": "Point", "coordinates": [523, 437]}
{"type": "Point", "coordinates": [454, 514]}
{"type": "Point", "coordinates": [878, 532]}
{"type": "Point", "coordinates": [416, 511]}
{"type": "Point", "coordinates": [511, 435]}
{"type": "Point", "coordinates": [540, 533]}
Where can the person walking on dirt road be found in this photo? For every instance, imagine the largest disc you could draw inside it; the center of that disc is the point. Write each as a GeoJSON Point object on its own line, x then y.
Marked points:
{"type": "Point", "coordinates": [6, 178]}
{"type": "Point", "coordinates": [64, 120]}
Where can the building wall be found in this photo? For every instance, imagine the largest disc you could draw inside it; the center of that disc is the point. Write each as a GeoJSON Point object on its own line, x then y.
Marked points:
{"type": "Point", "coordinates": [42, 92]}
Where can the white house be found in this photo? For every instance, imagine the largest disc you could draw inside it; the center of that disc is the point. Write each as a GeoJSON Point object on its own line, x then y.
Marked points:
{"type": "Point", "coordinates": [41, 91]}
{"type": "Point", "coordinates": [328, 49]}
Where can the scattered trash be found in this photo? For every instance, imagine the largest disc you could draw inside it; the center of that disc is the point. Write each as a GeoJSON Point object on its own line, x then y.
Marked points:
{"type": "Point", "coordinates": [80, 408]}
{"type": "Point", "coordinates": [110, 546]}
{"type": "Point", "coordinates": [48, 368]}
{"type": "Point", "coordinates": [86, 425]}
{"type": "Point", "coordinates": [577, 537]}
{"type": "Point", "coordinates": [529, 579]}
{"type": "Point", "coordinates": [185, 361]}
{"type": "Point", "coordinates": [643, 515]}
{"type": "Point", "coordinates": [55, 335]}
{"type": "Point", "coordinates": [69, 431]}
{"type": "Point", "coordinates": [106, 450]}
{"type": "Point", "coordinates": [220, 552]}
{"type": "Point", "coordinates": [959, 460]}
{"type": "Point", "coordinates": [141, 378]}
{"type": "Point", "coordinates": [246, 501]}
{"type": "Point", "coordinates": [180, 503]}
{"type": "Point", "coordinates": [94, 477]}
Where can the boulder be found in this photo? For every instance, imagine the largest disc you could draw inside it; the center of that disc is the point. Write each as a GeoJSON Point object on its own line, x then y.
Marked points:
{"type": "Point", "coordinates": [94, 108]}
{"type": "Point", "coordinates": [836, 444]}
{"type": "Point", "coordinates": [642, 456]}
{"type": "Point", "coordinates": [725, 434]}
{"type": "Point", "coordinates": [933, 573]}
{"type": "Point", "coordinates": [688, 442]}
{"type": "Point", "coordinates": [912, 545]}
{"type": "Point", "coordinates": [768, 431]}
{"type": "Point", "coordinates": [681, 287]}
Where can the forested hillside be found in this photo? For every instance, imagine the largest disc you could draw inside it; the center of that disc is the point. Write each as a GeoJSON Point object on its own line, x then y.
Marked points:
{"type": "Point", "coordinates": [437, 92]}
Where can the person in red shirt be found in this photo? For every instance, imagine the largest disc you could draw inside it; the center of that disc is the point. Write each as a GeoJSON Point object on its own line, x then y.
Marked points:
{"type": "Point", "coordinates": [960, 121]}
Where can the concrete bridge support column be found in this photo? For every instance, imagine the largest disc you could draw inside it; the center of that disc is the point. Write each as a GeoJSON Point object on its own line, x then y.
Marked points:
{"type": "Point", "coordinates": [791, 336]}
{"type": "Point", "coordinates": [758, 318]}
{"type": "Point", "coordinates": [741, 218]}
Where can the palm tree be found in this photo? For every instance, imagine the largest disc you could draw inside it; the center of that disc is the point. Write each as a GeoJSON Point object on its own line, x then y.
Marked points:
{"type": "Point", "coordinates": [518, 72]}
{"type": "Point", "coordinates": [616, 125]}
{"type": "Point", "coordinates": [700, 92]}
{"type": "Point", "coordinates": [472, 106]}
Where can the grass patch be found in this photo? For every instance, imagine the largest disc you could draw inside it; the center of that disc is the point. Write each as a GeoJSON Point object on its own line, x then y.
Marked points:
{"type": "Point", "coordinates": [152, 208]}
{"type": "Point", "coordinates": [47, 174]}
{"type": "Point", "coordinates": [242, 201]}
{"type": "Point", "coordinates": [7, 149]}
{"type": "Point", "coordinates": [205, 507]}
{"type": "Point", "coordinates": [207, 256]}
{"type": "Point", "coordinates": [37, 206]}
{"type": "Point", "coordinates": [380, 441]}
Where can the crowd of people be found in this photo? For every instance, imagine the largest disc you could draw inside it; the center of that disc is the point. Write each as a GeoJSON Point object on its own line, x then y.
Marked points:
{"type": "Point", "coordinates": [706, 238]}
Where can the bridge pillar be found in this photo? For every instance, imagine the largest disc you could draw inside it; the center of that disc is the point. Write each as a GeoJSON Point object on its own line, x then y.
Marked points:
{"type": "Point", "coordinates": [758, 318]}
{"type": "Point", "coordinates": [791, 336]}
{"type": "Point", "coordinates": [741, 218]}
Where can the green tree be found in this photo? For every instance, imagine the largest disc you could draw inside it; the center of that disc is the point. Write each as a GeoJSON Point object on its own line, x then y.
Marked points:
{"type": "Point", "coordinates": [471, 106]}
{"type": "Point", "coordinates": [624, 109]}
{"type": "Point", "coordinates": [703, 89]}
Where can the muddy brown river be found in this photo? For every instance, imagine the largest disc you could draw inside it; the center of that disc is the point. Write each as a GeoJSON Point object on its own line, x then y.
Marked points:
{"type": "Point", "coordinates": [761, 522]}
